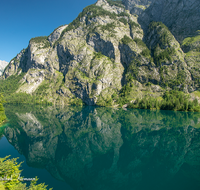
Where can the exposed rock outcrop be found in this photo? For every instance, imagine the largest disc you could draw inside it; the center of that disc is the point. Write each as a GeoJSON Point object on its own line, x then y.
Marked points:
{"type": "Point", "coordinates": [182, 17]}
{"type": "Point", "coordinates": [106, 47]}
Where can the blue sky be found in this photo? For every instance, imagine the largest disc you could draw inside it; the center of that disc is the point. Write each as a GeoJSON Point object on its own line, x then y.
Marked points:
{"type": "Point", "coordinates": [24, 19]}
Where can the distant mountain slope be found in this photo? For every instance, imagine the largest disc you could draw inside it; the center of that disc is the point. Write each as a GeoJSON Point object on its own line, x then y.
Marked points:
{"type": "Point", "coordinates": [108, 56]}
{"type": "Point", "coordinates": [182, 17]}
{"type": "Point", "coordinates": [3, 65]}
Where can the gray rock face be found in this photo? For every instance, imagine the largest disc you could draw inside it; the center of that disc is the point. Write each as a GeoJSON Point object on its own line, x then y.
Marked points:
{"type": "Point", "coordinates": [182, 17]}
{"type": "Point", "coordinates": [87, 56]}
{"type": "Point", "coordinates": [56, 34]}
{"type": "Point", "coordinates": [3, 65]}
{"type": "Point", "coordinates": [99, 45]}
{"type": "Point", "coordinates": [104, 48]}
{"type": "Point", "coordinates": [20, 61]}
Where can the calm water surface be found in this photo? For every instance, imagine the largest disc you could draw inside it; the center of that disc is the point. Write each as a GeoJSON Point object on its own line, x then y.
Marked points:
{"type": "Point", "coordinates": [93, 148]}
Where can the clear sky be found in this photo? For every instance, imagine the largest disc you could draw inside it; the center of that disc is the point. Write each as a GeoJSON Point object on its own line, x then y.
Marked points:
{"type": "Point", "coordinates": [21, 20]}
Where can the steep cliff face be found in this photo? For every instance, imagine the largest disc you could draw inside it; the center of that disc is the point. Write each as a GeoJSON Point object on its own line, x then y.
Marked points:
{"type": "Point", "coordinates": [105, 48]}
{"type": "Point", "coordinates": [182, 17]}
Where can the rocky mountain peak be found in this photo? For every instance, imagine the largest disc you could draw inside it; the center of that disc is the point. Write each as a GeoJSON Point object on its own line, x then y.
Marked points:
{"type": "Point", "coordinates": [55, 35]}
{"type": "Point", "coordinates": [111, 6]}
{"type": "Point", "coordinates": [107, 51]}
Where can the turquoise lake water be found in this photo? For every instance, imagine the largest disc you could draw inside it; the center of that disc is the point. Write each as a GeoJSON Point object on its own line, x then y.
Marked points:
{"type": "Point", "coordinates": [94, 148]}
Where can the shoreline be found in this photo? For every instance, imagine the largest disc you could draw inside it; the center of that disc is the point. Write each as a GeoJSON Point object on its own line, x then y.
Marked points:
{"type": "Point", "coordinates": [124, 107]}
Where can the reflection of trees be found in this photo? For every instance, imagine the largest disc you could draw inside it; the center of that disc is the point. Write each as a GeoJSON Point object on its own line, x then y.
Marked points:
{"type": "Point", "coordinates": [103, 148]}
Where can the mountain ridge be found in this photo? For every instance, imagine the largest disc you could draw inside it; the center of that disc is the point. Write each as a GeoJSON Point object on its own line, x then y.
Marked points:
{"type": "Point", "coordinates": [107, 52]}
{"type": "Point", "coordinates": [179, 16]}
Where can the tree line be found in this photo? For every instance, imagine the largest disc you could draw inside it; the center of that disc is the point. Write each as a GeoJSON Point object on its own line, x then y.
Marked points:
{"type": "Point", "coordinates": [2, 112]}
{"type": "Point", "coordinates": [171, 100]}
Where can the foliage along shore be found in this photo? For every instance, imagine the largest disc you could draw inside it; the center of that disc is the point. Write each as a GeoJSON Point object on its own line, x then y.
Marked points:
{"type": "Point", "coordinates": [170, 100]}
{"type": "Point", "coordinates": [2, 112]}
{"type": "Point", "coordinates": [10, 169]}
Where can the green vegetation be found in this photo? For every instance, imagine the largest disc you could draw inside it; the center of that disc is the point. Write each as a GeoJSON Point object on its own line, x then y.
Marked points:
{"type": "Point", "coordinates": [162, 49]}
{"type": "Point", "coordinates": [123, 20]}
{"type": "Point", "coordinates": [146, 52]}
{"type": "Point", "coordinates": [163, 55]}
{"type": "Point", "coordinates": [38, 39]}
{"type": "Point", "coordinates": [98, 55]}
{"type": "Point", "coordinates": [2, 112]}
{"type": "Point", "coordinates": [163, 32]}
{"type": "Point", "coordinates": [133, 24]}
{"type": "Point", "coordinates": [190, 40]}
{"type": "Point", "coordinates": [191, 46]}
{"type": "Point", "coordinates": [126, 40]}
{"type": "Point", "coordinates": [41, 39]}
{"type": "Point", "coordinates": [10, 85]}
{"type": "Point", "coordinates": [9, 168]}
{"type": "Point", "coordinates": [2, 131]}
{"type": "Point", "coordinates": [117, 98]}
{"type": "Point", "coordinates": [76, 101]}
{"type": "Point", "coordinates": [141, 6]}
{"type": "Point", "coordinates": [109, 27]}
{"type": "Point", "coordinates": [164, 38]}
{"type": "Point", "coordinates": [154, 25]}
{"type": "Point", "coordinates": [104, 101]}
{"type": "Point", "coordinates": [192, 53]}
{"type": "Point", "coordinates": [172, 83]}
{"type": "Point", "coordinates": [94, 12]}
{"type": "Point", "coordinates": [133, 69]}
{"type": "Point", "coordinates": [173, 100]}
{"type": "Point", "coordinates": [24, 98]}
{"type": "Point", "coordinates": [117, 3]}
{"type": "Point", "coordinates": [139, 42]}
{"type": "Point", "coordinates": [8, 88]}
{"type": "Point", "coordinates": [181, 76]}
{"type": "Point", "coordinates": [123, 14]}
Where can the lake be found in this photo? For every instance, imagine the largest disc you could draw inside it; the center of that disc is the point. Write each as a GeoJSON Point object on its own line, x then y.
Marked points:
{"type": "Point", "coordinates": [97, 148]}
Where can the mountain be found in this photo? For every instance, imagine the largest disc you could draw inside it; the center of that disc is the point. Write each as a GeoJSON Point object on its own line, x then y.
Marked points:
{"type": "Point", "coordinates": [182, 17]}
{"type": "Point", "coordinates": [114, 52]}
{"type": "Point", "coordinates": [3, 65]}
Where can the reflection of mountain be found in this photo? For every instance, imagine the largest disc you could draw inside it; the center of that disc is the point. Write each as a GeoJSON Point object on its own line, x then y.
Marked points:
{"type": "Point", "coordinates": [101, 148]}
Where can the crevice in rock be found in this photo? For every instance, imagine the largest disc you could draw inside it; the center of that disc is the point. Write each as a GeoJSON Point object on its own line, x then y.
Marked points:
{"type": "Point", "coordinates": [126, 57]}
{"type": "Point", "coordinates": [100, 45]}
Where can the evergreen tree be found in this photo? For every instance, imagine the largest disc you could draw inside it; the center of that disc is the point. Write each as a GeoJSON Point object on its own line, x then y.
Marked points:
{"type": "Point", "coordinates": [2, 112]}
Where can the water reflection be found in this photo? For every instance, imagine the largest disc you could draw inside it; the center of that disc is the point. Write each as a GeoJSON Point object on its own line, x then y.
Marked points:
{"type": "Point", "coordinates": [103, 148]}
